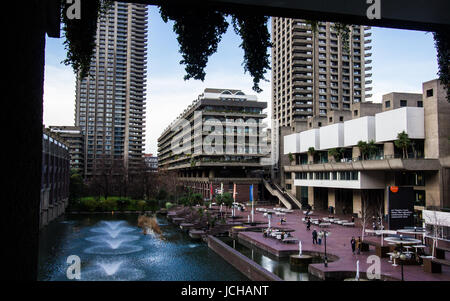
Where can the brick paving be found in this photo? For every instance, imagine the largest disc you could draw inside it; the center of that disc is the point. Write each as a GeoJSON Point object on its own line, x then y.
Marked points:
{"type": "Point", "coordinates": [338, 244]}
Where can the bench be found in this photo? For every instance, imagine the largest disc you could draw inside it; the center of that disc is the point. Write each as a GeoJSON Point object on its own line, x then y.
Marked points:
{"type": "Point", "coordinates": [324, 225]}
{"type": "Point", "coordinates": [290, 239]}
{"type": "Point", "coordinates": [434, 265]}
{"type": "Point", "coordinates": [348, 224]}
{"type": "Point", "coordinates": [440, 252]}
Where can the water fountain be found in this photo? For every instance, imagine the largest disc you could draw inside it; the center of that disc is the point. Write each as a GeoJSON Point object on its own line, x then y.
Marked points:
{"type": "Point", "coordinates": [110, 268]}
{"type": "Point", "coordinates": [300, 259]}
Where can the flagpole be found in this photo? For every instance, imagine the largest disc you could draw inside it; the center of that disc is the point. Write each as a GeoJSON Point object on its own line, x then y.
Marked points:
{"type": "Point", "coordinates": [251, 200]}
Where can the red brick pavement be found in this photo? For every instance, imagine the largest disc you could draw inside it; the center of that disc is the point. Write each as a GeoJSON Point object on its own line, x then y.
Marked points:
{"type": "Point", "coordinates": [338, 244]}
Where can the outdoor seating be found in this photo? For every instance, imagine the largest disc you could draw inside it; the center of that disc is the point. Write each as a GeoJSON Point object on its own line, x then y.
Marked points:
{"type": "Point", "coordinates": [324, 225]}
{"type": "Point", "coordinates": [348, 224]}
{"type": "Point", "coordinates": [434, 265]}
{"type": "Point", "coordinates": [290, 240]}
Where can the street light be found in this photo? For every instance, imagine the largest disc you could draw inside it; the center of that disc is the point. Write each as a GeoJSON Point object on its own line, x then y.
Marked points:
{"type": "Point", "coordinates": [325, 243]}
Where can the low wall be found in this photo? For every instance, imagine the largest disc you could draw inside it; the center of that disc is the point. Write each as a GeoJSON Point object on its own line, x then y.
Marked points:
{"type": "Point", "coordinates": [51, 212]}
{"type": "Point", "coordinates": [246, 266]}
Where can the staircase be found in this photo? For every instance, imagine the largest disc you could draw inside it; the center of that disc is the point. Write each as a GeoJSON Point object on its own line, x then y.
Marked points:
{"type": "Point", "coordinates": [273, 190]}
{"type": "Point", "coordinates": [292, 199]}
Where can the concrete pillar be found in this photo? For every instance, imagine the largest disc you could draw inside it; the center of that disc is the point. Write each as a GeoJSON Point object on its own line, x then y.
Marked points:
{"type": "Point", "coordinates": [310, 158]}
{"type": "Point", "coordinates": [357, 202]}
{"type": "Point", "coordinates": [311, 196]}
{"type": "Point", "coordinates": [390, 181]}
{"type": "Point", "coordinates": [203, 174]}
{"type": "Point", "coordinates": [331, 158]}
{"type": "Point", "coordinates": [388, 149]}
{"type": "Point", "coordinates": [356, 152]}
{"type": "Point", "coordinates": [331, 197]}
{"type": "Point", "coordinates": [433, 189]}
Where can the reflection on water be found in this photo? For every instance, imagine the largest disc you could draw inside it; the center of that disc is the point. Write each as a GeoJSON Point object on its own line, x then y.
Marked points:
{"type": "Point", "coordinates": [279, 266]}
{"type": "Point", "coordinates": [112, 247]}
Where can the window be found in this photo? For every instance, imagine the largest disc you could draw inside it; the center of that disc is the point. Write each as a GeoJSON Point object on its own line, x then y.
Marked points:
{"type": "Point", "coordinates": [355, 112]}
{"type": "Point", "coordinates": [430, 93]}
{"type": "Point", "coordinates": [341, 118]}
{"type": "Point", "coordinates": [420, 104]}
{"type": "Point", "coordinates": [403, 103]}
{"type": "Point", "coordinates": [388, 104]}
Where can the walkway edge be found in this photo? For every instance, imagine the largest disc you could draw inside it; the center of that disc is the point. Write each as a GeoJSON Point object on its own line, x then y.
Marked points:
{"type": "Point", "coordinates": [243, 264]}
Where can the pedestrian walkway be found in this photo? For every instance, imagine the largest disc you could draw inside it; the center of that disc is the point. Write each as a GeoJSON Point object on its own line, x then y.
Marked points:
{"type": "Point", "coordinates": [338, 247]}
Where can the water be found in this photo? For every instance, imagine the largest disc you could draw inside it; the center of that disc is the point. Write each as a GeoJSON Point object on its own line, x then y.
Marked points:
{"type": "Point", "coordinates": [279, 266]}
{"type": "Point", "coordinates": [112, 247]}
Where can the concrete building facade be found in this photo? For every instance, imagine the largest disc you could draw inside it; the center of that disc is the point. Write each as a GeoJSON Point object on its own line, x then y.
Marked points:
{"type": "Point", "coordinates": [55, 177]}
{"type": "Point", "coordinates": [314, 73]}
{"type": "Point", "coordinates": [218, 141]}
{"type": "Point", "coordinates": [74, 138]}
{"type": "Point", "coordinates": [349, 179]}
{"type": "Point", "coordinates": [110, 101]}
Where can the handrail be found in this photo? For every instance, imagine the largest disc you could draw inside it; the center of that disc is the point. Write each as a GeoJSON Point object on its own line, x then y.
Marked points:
{"type": "Point", "coordinates": [294, 199]}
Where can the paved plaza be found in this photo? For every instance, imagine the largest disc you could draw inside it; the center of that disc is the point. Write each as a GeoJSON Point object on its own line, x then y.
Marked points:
{"type": "Point", "coordinates": [338, 245]}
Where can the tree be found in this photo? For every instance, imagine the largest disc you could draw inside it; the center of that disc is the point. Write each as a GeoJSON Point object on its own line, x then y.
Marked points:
{"type": "Point", "coordinates": [291, 157]}
{"type": "Point", "coordinates": [403, 142]}
{"type": "Point", "coordinates": [226, 199]}
{"type": "Point", "coordinates": [336, 153]}
{"type": "Point", "coordinates": [364, 212]}
{"type": "Point", "coordinates": [77, 188]}
{"type": "Point", "coordinates": [372, 149]}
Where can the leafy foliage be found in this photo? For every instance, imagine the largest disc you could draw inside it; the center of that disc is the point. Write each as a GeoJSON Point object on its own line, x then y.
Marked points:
{"type": "Point", "coordinates": [403, 142]}
{"type": "Point", "coordinates": [199, 33]}
{"type": "Point", "coordinates": [343, 30]}
{"type": "Point", "coordinates": [291, 157]}
{"type": "Point", "coordinates": [442, 44]}
{"type": "Point", "coordinates": [226, 199]}
{"type": "Point", "coordinates": [255, 41]}
{"type": "Point", "coordinates": [336, 153]}
{"type": "Point", "coordinates": [362, 145]}
{"type": "Point", "coordinates": [80, 34]}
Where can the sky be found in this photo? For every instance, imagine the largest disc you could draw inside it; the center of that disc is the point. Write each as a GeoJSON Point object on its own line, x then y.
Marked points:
{"type": "Point", "coordinates": [401, 61]}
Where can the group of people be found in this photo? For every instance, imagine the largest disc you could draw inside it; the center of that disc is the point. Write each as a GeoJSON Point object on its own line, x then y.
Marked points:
{"type": "Point", "coordinates": [356, 245]}
{"type": "Point", "coordinates": [317, 237]}
{"type": "Point", "coordinates": [377, 223]}
{"type": "Point", "coordinates": [269, 233]}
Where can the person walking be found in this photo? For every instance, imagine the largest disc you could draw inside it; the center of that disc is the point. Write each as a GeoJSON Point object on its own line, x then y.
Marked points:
{"type": "Point", "coordinates": [353, 243]}
{"type": "Point", "coordinates": [359, 244]}
{"type": "Point", "coordinates": [308, 224]}
{"type": "Point", "coordinates": [319, 237]}
{"type": "Point", "coordinates": [314, 236]}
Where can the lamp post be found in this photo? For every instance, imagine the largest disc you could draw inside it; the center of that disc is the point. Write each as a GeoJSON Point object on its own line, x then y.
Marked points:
{"type": "Point", "coordinates": [325, 234]}
{"type": "Point", "coordinates": [402, 258]}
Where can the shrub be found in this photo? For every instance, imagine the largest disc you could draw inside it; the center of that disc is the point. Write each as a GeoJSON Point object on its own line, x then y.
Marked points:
{"type": "Point", "coordinates": [152, 205]}
{"type": "Point", "coordinates": [140, 205]}
{"type": "Point", "coordinates": [123, 204]}
{"type": "Point", "coordinates": [169, 205]}
{"type": "Point", "coordinates": [88, 204]}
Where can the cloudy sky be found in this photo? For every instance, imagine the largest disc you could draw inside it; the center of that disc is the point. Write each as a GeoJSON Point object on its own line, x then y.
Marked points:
{"type": "Point", "coordinates": [402, 60]}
